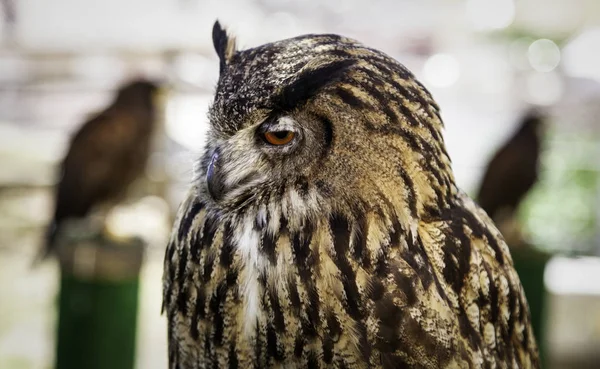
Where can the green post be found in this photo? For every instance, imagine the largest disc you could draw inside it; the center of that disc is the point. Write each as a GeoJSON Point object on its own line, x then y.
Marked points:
{"type": "Point", "coordinates": [98, 303]}
{"type": "Point", "coordinates": [530, 265]}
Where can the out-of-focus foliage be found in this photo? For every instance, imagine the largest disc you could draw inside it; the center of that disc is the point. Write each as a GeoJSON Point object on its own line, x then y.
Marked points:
{"type": "Point", "coordinates": [558, 214]}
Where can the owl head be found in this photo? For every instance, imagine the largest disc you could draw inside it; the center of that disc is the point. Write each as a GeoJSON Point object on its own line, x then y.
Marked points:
{"type": "Point", "coordinates": [319, 123]}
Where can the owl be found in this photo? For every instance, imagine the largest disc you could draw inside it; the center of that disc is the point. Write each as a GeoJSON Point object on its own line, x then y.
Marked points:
{"type": "Point", "coordinates": [104, 157]}
{"type": "Point", "coordinates": [324, 228]}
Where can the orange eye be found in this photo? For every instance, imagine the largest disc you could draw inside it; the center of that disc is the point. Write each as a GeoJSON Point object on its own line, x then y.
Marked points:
{"type": "Point", "coordinates": [279, 138]}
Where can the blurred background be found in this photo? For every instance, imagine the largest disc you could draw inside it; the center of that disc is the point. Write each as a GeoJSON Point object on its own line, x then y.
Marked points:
{"type": "Point", "coordinates": [487, 63]}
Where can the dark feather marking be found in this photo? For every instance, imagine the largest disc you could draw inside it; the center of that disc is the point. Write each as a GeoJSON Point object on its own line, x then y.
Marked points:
{"type": "Point", "coordinates": [327, 349]}
{"type": "Point", "coordinates": [233, 360]}
{"type": "Point", "coordinates": [268, 245]}
{"type": "Point", "coordinates": [278, 318]}
{"type": "Point", "coordinates": [231, 279]}
{"type": "Point", "coordinates": [388, 68]}
{"type": "Point", "coordinates": [243, 199]}
{"type": "Point", "coordinates": [340, 229]}
{"type": "Point", "coordinates": [467, 330]}
{"type": "Point", "coordinates": [333, 326]}
{"type": "Point", "coordinates": [301, 249]}
{"type": "Point", "coordinates": [512, 301]}
{"type": "Point", "coordinates": [374, 88]}
{"type": "Point", "coordinates": [342, 54]}
{"type": "Point", "coordinates": [209, 263]}
{"type": "Point", "coordinates": [168, 293]}
{"type": "Point", "coordinates": [311, 323]}
{"type": "Point", "coordinates": [327, 133]}
{"type": "Point", "coordinates": [438, 355]}
{"type": "Point", "coordinates": [170, 252]}
{"type": "Point", "coordinates": [396, 232]}
{"type": "Point", "coordinates": [216, 307]}
{"type": "Point", "coordinates": [200, 307]}
{"type": "Point", "coordinates": [341, 364]}
{"type": "Point", "coordinates": [391, 361]}
{"type": "Point", "coordinates": [479, 230]}
{"type": "Point", "coordinates": [257, 348]}
{"type": "Point", "coordinates": [350, 99]}
{"type": "Point", "coordinates": [407, 286]}
{"type": "Point", "coordinates": [375, 288]}
{"type": "Point", "coordinates": [309, 83]}
{"type": "Point", "coordinates": [408, 114]}
{"type": "Point", "coordinates": [412, 193]}
{"type": "Point", "coordinates": [294, 296]}
{"type": "Point", "coordinates": [301, 186]}
{"type": "Point", "coordinates": [273, 349]}
{"type": "Point", "coordinates": [195, 245]}
{"type": "Point", "coordinates": [208, 231]}
{"type": "Point", "coordinates": [492, 295]}
{"type": "Point", "coordinates": [457, 256]}
{"type": "Point", "coordinates": [324, 188]}
{"type": "Point", "coordinates": [427, 104]}
{"type": "Point", "coordinates": [390, 318]}
{"type": "Point", "coordinates": [381, 266]}
{"type": "Point", "coordinates": [435, 134]}
{"type": "Point", "coordinates": [525, 341]}
{"type": "Point", "coordinates": [363, 341]}
{"type": "Point", "coordinates": [422, 269]}
{"type": "Point", "coordinates": [313, 301]}
{"type": "Point", "coordinates": [181, 268]}
{"type": "Point", "coordinates": [359, 242]}
{"type": "Point", "coordinates": [228, 248]}
{"type": "Point", "coordinates": [182, 300]}
{"type": "Point", "coordinates": [411, 139]}
{"type": "Point", "coordinates": [208, 351]}
{"type": "Point", "coordinates": [312, 361]}
{"type": "Point", "coordinates": [408, 93]}
{"type": "Point", "coordinates": [188, 219]}
{"type": "Point", "coordinates": [298, 345]}
{"type": "Point", "coordinates": [194, 333]}
{"type": "Point", "coordinates": [432, 155]}
{"type": "Point", "coordinates": [416, 144]}
{"type": "Point", "coordinates": [259, 222]}
{"type": "Point", "coordinates": [309, 329]}
{"type": "Point", "coordinates": [262, 280]}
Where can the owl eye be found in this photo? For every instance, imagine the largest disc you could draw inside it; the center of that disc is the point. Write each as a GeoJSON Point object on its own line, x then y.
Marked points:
{"type": "Point", "coordinates": [279, 138]}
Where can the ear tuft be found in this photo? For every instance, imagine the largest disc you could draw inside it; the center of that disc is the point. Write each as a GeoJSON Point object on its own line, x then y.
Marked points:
{"type": "Point", "coordinates": [224, 45]}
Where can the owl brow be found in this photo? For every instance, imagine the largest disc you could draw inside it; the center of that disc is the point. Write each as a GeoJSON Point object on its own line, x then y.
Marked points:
{"type": "Point", "coordinates": [309, 83]}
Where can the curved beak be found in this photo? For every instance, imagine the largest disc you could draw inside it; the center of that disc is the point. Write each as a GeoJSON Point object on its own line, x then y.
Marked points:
{"type": "Point", "coordinates": [214, 178]}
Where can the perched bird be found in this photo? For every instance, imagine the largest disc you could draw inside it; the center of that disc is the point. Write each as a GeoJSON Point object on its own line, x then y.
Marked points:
{"type": "Point", "coordinates": [324, 228]}
{"type": "Point", "coordinates": [105, 156]}
{"type": "Point", "coordinates": [511, 173]}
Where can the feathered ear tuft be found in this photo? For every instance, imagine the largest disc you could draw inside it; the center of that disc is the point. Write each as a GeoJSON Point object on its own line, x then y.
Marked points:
{"type": "Point", "coordinates": [224, 45]}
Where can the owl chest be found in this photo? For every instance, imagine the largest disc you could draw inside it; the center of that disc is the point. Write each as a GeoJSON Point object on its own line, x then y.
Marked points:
{"type": "Point", "coordinates": [273, 312]}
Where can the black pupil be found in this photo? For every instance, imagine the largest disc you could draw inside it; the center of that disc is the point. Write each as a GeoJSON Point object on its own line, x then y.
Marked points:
{"type": "Point", "coordinates": [281, 134]}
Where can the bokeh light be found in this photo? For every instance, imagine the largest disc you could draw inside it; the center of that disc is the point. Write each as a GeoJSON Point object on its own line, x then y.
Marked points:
{"type": "Point", "coordinates": [186, 120]}
{"type": "Point", "coordinates": [543, 55]}
{"type": "Point", "coordinates": [582, 55]}
{"type": "Point", "coordinates": [544, 88]}
{"type": "Point", "coordinates": [490, 14]}
{"type": "Point", "coordinates": [441, 70]}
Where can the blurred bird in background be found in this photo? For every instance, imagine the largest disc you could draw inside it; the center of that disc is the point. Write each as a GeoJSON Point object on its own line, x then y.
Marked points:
{"type": "Point", "coordinates": [105, 156]}
{"type": "Point", "coordinates": [510, 175]}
